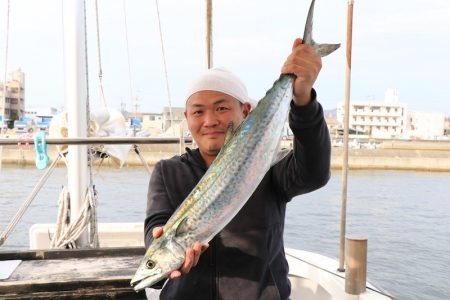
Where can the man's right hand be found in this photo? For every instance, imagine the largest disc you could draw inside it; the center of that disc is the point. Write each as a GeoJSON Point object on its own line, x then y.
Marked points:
{"type": "Point", "coordinates": [191, 257]}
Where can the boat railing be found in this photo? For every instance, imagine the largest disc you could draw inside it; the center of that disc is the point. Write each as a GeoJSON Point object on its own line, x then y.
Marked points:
{"type": "Point", "coordinates": [79, 141]}
{"type": "Point", "coordinates": [100, 140]}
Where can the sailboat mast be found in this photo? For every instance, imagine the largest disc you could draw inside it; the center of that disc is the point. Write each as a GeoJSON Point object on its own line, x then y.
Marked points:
{"type": "Point", "coordinates": [209, 43]}
{"type": "Point", "coordinates": [76, 101]}
{"type": "Point", "coordinates": [346, 127]}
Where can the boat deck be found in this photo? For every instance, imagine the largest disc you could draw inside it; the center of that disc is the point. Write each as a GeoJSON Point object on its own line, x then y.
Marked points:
{"type": "Point", "coordinates": [71, 274]}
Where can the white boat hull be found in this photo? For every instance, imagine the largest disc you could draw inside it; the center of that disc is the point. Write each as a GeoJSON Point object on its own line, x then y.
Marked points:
{"type": "Point", "coordinates": [313, 276]}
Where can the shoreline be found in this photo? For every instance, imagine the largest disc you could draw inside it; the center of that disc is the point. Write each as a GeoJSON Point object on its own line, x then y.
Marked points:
{"type": "Point", "coordinates": [389, 155]}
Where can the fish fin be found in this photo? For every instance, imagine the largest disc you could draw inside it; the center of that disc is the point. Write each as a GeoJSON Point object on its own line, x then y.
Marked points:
{"type": "Point", "coordinates": [307, 35]}
{"type": "Point", "coordinates": [183, 227]}
{"type": "Point", "coordinates": [325, 49]}
{"type": "Point", "coordinates": [321, 49]}
{"type": "Point", "coordinates": [229, 133]}
{"type": "Point", "coordinates": [280, 155]}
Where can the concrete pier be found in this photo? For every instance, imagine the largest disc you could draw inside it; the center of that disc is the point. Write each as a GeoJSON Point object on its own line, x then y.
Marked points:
{"type": "Point", "coordinates": [389, 155]}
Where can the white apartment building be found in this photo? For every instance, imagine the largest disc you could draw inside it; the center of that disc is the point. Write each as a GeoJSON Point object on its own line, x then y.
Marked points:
{"type": "Point", "coordinates": [426, 125]}
{"type": "Point", "coordinates": [13, 92]}
{"type": "Point", "coordinates": [377, 119]}
{"type": "Point", "coordinates": [152, 120]}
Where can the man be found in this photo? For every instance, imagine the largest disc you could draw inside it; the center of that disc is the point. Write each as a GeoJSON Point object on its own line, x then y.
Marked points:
{"type": "Point", "coordinates": [246, 259]}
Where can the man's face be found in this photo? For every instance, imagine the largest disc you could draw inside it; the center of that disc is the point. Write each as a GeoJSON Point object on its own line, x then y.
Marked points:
{"type": "Point", "coordinates": [208, 114]}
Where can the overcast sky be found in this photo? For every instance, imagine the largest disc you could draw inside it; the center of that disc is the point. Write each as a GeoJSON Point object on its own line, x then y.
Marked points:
{"type": "Point", "coordinates": [402, 44]}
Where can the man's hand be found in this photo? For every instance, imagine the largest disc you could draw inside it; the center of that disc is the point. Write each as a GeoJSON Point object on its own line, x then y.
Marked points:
{"type": "Point", "coordinates": [304, 63]}
{"type": "Point", "coordinates": [191, 258]}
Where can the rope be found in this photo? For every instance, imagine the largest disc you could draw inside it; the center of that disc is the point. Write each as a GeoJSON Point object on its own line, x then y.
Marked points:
{"type": "Point", "coordinates": [165, 65]}
{"type": "Point", "coordinates": [144, 162]}
{"type": "Point", "coordinates": [68, 232]}
{"type": "Point", "coordinates": [128, 55]}
{"type": "Point", "coordinates": [27, 202]}
{"type": "Point", "coordinates": [100, 70]}
{"type": "Point", "coordinates": [88, 112]}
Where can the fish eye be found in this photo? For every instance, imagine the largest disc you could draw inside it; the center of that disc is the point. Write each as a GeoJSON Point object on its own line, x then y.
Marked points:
{"type": "Point", "coordinates": [150, 264]}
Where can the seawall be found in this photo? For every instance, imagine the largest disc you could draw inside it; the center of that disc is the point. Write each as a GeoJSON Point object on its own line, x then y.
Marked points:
{"type": "Point", "coordinates": [389, 155]}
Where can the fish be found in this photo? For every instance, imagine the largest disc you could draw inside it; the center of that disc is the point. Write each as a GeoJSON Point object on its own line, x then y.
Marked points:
{"type": "Point", "coordinates": [247, 154]}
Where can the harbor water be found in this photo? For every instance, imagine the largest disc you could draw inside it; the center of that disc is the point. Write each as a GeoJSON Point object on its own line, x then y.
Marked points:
{"type": "Point", "coordinates": [405, 216]}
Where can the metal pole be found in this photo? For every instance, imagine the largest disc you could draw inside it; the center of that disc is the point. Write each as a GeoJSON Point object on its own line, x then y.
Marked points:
{"type": "Point", "coordinates": [76, 99]}
{"type": "Point", "coordinates": [98, 141]}
{"type": "Point", "coordinates": [209, 44]}
{"type": "Point", "coordinates": [346, 127]}
{"type": "Point", "coordinates": [356, 273]}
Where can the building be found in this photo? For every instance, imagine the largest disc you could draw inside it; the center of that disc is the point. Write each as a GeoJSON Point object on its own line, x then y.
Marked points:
{"type": "Point", "coordinates": [41, 116]}
{"type": "Point", "coordinates": [13, 94]}
{"type": "Point", "coordinates": [175, 120]}
{"type": "Point", "coordinates": [377, 119]}
{"type": "Point", "coordinates": [152, 120]}
{"type": "Point", "coordinates": [38, 114]}
{"type": "Point", "coordinates": [426, 125]}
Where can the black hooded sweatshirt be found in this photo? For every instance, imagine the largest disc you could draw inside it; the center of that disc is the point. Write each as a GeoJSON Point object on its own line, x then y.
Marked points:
{"type": "Point", "coordinates": [246, 260]}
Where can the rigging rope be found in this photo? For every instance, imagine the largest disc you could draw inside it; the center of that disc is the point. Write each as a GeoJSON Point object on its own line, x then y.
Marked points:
{"type": "Point", "coordinates": [165, 65]}
{"type": "Point", "coordinates": [100, 71]}
{"type": "Point", "coordinates": [68, 231]}
{"type": "Point", "coordinates": [27, 202]}
{"type": "Point", "coordinates": [128, 56]}
{"type": "Point", "coordinates": [88, 112]}
{"type": "Point", "coordinates": [144, 162]}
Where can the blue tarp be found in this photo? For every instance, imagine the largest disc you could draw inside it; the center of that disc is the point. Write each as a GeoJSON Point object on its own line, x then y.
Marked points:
{"type": "Point", "coordinates": [135, 121]}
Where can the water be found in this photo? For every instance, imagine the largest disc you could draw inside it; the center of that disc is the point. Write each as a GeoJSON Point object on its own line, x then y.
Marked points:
{"type": "Point", "coordinates": [405, 216]}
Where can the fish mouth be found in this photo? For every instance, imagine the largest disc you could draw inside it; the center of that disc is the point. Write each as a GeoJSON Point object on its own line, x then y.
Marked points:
{"type": "Point", "coordinates": [136, 279]}
{"type": "Point", "coordinates": [141, 282]}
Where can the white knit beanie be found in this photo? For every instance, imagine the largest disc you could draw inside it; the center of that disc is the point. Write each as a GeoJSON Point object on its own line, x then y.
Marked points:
{"type": "Point", "coordinates": [220, 80]}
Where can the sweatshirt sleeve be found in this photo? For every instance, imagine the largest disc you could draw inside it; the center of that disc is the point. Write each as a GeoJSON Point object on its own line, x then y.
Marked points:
{"type": "Point", "coordinates": [307, 167]}
{"type": "Point", "coordinates": [159, 208]}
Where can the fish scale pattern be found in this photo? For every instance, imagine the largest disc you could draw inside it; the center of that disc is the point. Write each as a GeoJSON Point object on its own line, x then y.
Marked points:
{"type": "Point", "coordinates": [237, 170]}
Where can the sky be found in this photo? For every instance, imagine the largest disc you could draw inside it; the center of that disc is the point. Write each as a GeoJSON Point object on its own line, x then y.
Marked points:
{"type": "Point", "coordinates": [402, 44]}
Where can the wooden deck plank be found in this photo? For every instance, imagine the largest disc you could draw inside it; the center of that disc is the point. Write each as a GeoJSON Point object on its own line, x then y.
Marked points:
{"type": "Point", "coordinates": [65, 274]}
